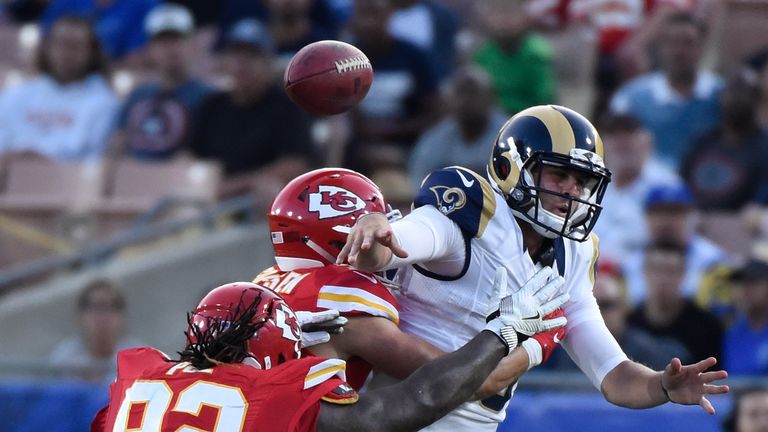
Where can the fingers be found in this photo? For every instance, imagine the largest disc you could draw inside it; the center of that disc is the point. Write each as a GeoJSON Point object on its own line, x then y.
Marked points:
{"type": "Point", "coordinates": [500, 282]}
{"type": "Point", "coordinates": [705, 364]}
{"type": "Point", "coordinates": [553, 323]}
{"type": "Point", "coordinates": [550, 289]}
{"type": "Point", "coordinates": [716, 389]}
{"type": "Point", "coordinates": [552, 305]}
{"type": "Point", "coordinates": [708, 377]}
{"type": "Point", "coordinates": [387, 237]}
{"type": "Point", "coordinates": [674, 367]}
{"type": "Point", "coordinates": [537, 281]}
{"type": "Point", "coordinates": [704, 403]}
{"type": "Point", "coordinates": [344, 254]}
{"type": "Point", "coordinates": [316, 317]}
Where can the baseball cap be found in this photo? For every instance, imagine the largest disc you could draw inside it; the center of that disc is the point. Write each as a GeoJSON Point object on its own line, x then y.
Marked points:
{"type": "Point", "coordinates": [251, 33]}
{"type": "Point", "coordinates": [669, 195]}
{"type": "Point", "coordinates": [169, 18]}
{"type": "Point", "coordinates": [753, 269]}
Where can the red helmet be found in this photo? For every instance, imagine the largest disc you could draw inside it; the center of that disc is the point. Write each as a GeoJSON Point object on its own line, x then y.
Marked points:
{"type": "Point", "coordinates": [277, 340]}
{"type": "Point", "coordinates": [312, 215]}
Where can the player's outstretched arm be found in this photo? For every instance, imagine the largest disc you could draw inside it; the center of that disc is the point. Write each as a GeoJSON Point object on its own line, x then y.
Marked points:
{"type": "Point", "coordinates": [633, 385]}
{"type": "Point", "coordinates": [428, 394]}
{"type": "Point", "coordinates": [370, 244]}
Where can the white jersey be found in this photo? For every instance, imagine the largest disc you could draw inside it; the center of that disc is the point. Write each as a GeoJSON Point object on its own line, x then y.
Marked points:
{"type": "Point", "coordinates": [457, 209]}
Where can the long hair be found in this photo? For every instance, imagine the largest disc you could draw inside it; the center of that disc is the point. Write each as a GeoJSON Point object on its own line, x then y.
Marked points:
{"type": "Point", "coordinates": [98, 64]}
{"type": "Point", "coordinates": [222, 340]}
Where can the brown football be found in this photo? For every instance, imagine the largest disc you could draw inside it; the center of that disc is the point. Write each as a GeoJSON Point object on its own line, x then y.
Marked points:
{"type": "Point", "coordinates": [328, 77]}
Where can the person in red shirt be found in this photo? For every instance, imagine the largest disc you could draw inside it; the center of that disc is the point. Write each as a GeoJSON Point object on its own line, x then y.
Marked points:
{"type": "Point", "coordinates": [309, 222]}
{"type": "Point", "coordinates": [242, 370]}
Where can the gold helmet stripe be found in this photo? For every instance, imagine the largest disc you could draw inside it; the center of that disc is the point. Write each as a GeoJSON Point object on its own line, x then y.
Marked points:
{"type": "Point", "coordinates": [560, 130]}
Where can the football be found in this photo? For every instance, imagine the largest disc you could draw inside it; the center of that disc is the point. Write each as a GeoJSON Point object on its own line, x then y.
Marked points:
{"type": "Point", "coordinates": [328, 77]}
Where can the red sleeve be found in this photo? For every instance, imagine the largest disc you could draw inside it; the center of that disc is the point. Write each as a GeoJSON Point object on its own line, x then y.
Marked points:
{"type": "Point", "coordinates": [354, 293]}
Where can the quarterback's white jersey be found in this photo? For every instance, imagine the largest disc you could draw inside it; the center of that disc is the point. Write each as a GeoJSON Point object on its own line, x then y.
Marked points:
{"type": "Point", "coordinates": [448, 309]}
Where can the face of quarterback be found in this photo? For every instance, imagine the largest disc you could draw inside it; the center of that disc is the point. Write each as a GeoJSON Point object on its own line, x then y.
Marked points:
{"type": "Point", "coordinates": [562, 181]}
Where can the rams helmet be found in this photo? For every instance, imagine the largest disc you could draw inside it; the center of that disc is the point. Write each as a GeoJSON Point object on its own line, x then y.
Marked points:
{"type": "Point", "coordinates": [550, 135]}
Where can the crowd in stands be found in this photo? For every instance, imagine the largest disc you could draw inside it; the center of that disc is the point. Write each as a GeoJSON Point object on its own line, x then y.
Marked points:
{"type": "Point", "coordinates": [685, 142]}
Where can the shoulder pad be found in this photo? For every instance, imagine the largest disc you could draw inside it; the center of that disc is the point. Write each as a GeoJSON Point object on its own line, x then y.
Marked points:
{"type": "Point", "coordinates": [355, 292]}
{"type": "Point", "coordinates": [460, 194]}
{"type": "Point", "coordinates": [325, 370]}
{"type": "Point", "coordinates": [132, 362]}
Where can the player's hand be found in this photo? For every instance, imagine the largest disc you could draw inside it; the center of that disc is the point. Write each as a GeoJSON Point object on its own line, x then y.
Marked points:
{"type": "Point", "coordinates": [526, 309]}
{"type": "Point", "coordinates": [360, 249]}
{"type": "Point", "coordinates": [690, 384]}
{"type": "Point", "coordinates": [317, 327]}
{"type": "Point", "coordinates": [541, 345]}
{"type": "Point", "coordinates": [524, 313]}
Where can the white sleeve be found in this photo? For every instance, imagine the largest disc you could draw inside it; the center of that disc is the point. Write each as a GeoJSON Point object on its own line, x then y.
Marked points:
{"type": "Point", "coordinates": [594, 349]}
{"type": "Point", "coordinates": [431, 240]}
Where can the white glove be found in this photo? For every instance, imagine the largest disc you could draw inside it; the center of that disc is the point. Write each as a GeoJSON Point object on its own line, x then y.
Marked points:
{"type": "Point", "coordinates": [522, 314]}
{"type": "Point", "coordinates": [317, 327]}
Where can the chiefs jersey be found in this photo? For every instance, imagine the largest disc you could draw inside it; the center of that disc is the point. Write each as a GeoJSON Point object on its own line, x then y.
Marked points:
{"type": "Point", "coordinates": [351, 292]}
{"type": "Point", "coordinates": [151, 393]}
{"type": "Point", "coordinates": [448, 311]}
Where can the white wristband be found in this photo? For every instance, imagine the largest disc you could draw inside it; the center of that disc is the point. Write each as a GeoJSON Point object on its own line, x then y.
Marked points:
{"type": "Point", "coordinates": [535, 354]}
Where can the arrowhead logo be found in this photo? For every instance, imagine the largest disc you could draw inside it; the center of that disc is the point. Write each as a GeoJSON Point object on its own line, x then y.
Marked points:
{"type": "Point", "coordinates": [333, 201]}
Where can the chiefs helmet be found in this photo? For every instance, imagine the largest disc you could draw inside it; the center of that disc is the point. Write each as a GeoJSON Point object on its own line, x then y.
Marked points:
{"type": "Point", "coordinates": [312, 215]}
{"type": "Point", "coordinates": [278, 335]}
{"type": "Point", "coordinates": [550, 135]}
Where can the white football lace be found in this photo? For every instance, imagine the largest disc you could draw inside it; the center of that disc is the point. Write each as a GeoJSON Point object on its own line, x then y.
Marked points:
{"type": "Point", "coordinates": [352, 63]}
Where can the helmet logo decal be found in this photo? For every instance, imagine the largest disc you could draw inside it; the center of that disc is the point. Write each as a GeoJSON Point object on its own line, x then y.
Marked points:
{"type": "Point", "coordinates": [286, 320]}
{"type": "Point", "coordinates": [333, 201]}
{"type": "Point", "coordinates": [449, 199]}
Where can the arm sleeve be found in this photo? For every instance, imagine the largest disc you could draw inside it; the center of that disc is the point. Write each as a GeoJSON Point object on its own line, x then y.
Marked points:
{"type": "Point", "coordinates": [594, 349]}
{"type": "Point", "coordinates": [431, 239]}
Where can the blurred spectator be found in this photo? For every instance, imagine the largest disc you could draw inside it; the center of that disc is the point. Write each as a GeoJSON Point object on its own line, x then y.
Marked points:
{"type": "Point", "coordinates": [611, 294]}
{"type": "Point", "coordinates": [726, 168]}
{"type": "Point", "coordinates": [610, 291]}
{"type": "Point", "coordinates": [670, 216]}
{"type": "Point", "coordinates": [518, 61]}
{"type": "Point", "coordinates": [403, 100]}
{"type": "Point", "coordinates": [327, 16]}
{"type": "Point", "coordinates": [749, 412]}
{"type": "Point", "coordinates": [746, 340]}
{"type": "Point", "coordinates": [432, 27]}
{"type": "Point", "coordinates": [204, 12]}
{"type": "Point", "coordinates": [291, 26]}
{"type": "Point", "coordinates": [260, 137]}
{"type": "Point", "coordinates": [465, 137]}
{"type": "Point", "coordinates": [65, 113]}
{"type": "Point", "coordinates": [679, 101]}
{"type": "Point", "coordinates": [666, 312]}
{"type": "Point", "coordinates": [395, 187]}
{"type": "Point", "coordinates": [156, 119]}
{"type": "Point", "coordinates": [26, 10]}
{"type": "Point", "coordinates": [116, 21]}
{"type": "Point", "coordinates": [628, 148]}
{"type": "Point", "coordinates": [101, 317]}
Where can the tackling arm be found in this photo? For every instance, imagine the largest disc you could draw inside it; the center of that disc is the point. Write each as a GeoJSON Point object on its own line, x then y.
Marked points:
{"type": "Point", "coordinates": [428, 394]}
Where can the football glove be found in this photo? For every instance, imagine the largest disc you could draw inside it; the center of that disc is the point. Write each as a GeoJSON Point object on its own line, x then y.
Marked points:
{"type": "Point", "coordinates": [317, 327]}
{"type": "Point", "coordinates": [522, 313]}
{"type": "Point", "coordinates": [541, 345]}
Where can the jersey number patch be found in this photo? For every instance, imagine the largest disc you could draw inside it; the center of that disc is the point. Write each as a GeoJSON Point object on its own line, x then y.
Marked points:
{"type": "Point", "coordinates": [147, 403]}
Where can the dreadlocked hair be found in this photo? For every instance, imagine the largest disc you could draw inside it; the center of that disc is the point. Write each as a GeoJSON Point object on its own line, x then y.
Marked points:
{"type": "Point", "coordinates": [222, 340]}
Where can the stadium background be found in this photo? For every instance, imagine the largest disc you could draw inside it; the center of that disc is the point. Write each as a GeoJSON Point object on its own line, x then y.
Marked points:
{"type": "Point", "coordinates": [166, 230]}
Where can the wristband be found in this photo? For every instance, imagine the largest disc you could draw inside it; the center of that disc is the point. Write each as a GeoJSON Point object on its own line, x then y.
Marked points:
{"type": "Point", "coordinates": [535, 353]}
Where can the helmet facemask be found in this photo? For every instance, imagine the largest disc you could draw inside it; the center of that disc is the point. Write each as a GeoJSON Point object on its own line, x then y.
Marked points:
{"type": "Point", "coordinates": [581, 212]}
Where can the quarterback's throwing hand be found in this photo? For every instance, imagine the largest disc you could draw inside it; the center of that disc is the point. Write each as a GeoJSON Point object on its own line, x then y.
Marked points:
{"type": "Point", "coordinates": [361, 249]}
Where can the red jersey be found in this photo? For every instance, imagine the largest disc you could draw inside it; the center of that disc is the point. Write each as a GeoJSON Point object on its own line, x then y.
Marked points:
{"type": "Point", "coordinates": [151, 393]}
{"type": "Point", "coordinates": [351, 292]}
